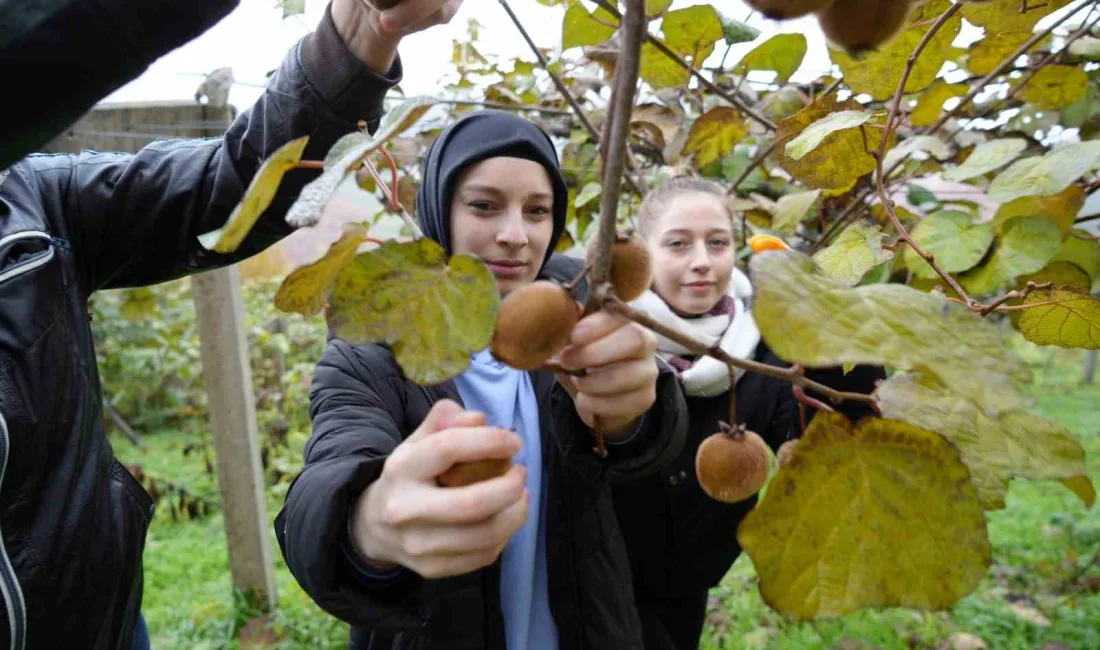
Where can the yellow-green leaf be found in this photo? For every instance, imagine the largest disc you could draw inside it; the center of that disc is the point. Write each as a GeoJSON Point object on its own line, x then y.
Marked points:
{"type": "Point", "coordinates": [996, 446]}
{"type": "Point", "coordinates": [1002, 16]}
{"type": "Point", "coordinates": [693, 30]}
{"type": "Point", "coordinates": [809, 318]}
{"type": "Point", "coordinates": [1060, 273]}
{"type": "Point", "coordinates": [654, 8]}
{"type": "Point", "coordinates": [879, 72]}
{"type": "Point", "coordinates": [1071, 321]}
{"type": "Point", "coordinates": [434, 313]}
{"type": "Point", "coordinates": [782, 53]}
{"type": "Point", "coordinates": [957, 244]}
{"type": "Point", "coordinates": [579, 28]}
{"type": "Point", "coordinates": [783, 103]}
{"type": "Point", "coordinates": [1055, 86]}
{"type": "Point", "coordinates": [987, 157]}
{"type": "Point", "coordinates": [927, 143]}
{"type": "Point", "coordinates": [736, 31]}
{"type": "Point", "coordinates": [138, 304]}
{"type": "Point", "coordinates": [930, 103]}
{"type": "Point", "coordinates": [306, 289]}
{"type": "Point", "coordinates": [261, 191]}
{"type": "Point", "coordinates": [988, 53]}
{"type": "Point", "coordinates": [840, 159]}
{"type": "Point", "coordinates": [857, 250]}
{"type": "Point", "coordinates": [1062, 208]}
{"type": "Point", "coordinates": [812, 136]}
{"type": "Point", "coordinates": [714, 135]}
{"type": "Point", "coordinates": [658, 70]}
{"type": "Point", "coordinates": [792, 209]}
{"type": "Point", "coordinates": [1045, 175]}
{"type": "Point", "coordinates": [827, 539]}
{"type": "Point", "coordinates": [1085, 253]}
{"type": "Point", "coordinates": [1026, 246]}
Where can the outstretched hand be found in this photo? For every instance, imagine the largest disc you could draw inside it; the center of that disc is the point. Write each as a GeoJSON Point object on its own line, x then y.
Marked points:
{"type": "Point", "coordinates": [373, 35]}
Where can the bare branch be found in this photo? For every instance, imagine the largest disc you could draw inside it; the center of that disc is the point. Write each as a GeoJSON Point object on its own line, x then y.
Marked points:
{"type": "Point", "coordinates": [795, 374]}
{"type": "Point", "coordinates": [1014, 295]}
{"type": "Point", "coordinates": [664, 49]}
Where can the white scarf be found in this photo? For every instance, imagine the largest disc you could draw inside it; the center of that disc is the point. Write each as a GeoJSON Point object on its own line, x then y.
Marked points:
{"type": "Point", "coordinates": [707, 376]}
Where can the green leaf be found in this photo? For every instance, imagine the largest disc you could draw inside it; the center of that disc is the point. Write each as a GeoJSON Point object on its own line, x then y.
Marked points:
{"type": "Point", "coordinates": [1045, 175]}
{"type": "Point", "coordinates": [311, 202]}
{"type": "Point", "coordinates": [138, 304]}
{"type": "Point", "coordinates": [996, 446]}
{"type": "Point", "coordinates": [1061, 208]}
{"type": "Point", "coordinates": [919, 195]}
{"type": "Point", "coordinates": [306, 289]}
{"type": "Point", "coordinates": [345, 144]}
{"type": "Point", "coordinates": [735, 164]}
{"type": "Point", "coordinates": [579, 28]}
{"type": "Point", "coordinates": [660, 71]}
{"type": "Point", "coordinates": [782, 53]}
{"type": "Point", "coordinates": [926, 143]}
{"type": "Point", "coordinates": [1087, 47]}
{"type": "Point", "coordinates": [1026, 246]}
{"type": "Point", "coordinates": [1062, 274]}
{"type": "Point", "coordinates": [783, 103]}
{"type": "Point", "coordinates": [692, 30]}
{"type": "Point", "coordinates": [930, 103]}
{"type": "Point", "coordinates": [957, 244]}
{"type": "Point", "coordinates": [433, 313]}
{"type": "Point", "coordinates": [792, 209]}
{"type": "Point", "coordinates": [654, 8]}
{"type": "Point", "coordinates": [261, 191]}
{"type": "Point", "coordinates": [1055, 86]}
{"type": "Point", "coordinates": [987, 157]}
{"type": "Point", "coordinates": [1085, 253]}
{"type": "Point", "coordinates": [1083, 110]}
{"type": "Point", "coordinates": [1072, 320]}
{"type": "Point", "coordinates": [815, 133]}
{"type": "Point", "coordinates": [857, 250]}
{"type": "Point", "coordinates": [735, 31]}
{"type": "Point", "coordinates": [714, 135]}
{"type": "Point", "coordinates": [825, 538]}
{"type": "Point", "coordinates": [589, 192]}
{"type": "Point", "coordinates": [879, 72]}
{"type": "Point", "coordinates": [809, 318]}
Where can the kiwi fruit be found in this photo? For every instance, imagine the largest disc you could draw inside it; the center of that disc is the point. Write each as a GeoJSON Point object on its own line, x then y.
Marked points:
{"type": "Point", "coordinates": [463, 474]}
{"type": "Point", "coordinates": [733, 464]}
{"type": "Point", "coordinates": [787, 9]}
{"type": "Point", "coordinates": [534, 323]}
{"type": "Point", "coordinates": [862, 25]}
{"type": "Point", "coordinates": [631, 270]}
{"type": "Point", "coordinates": [783, 454]}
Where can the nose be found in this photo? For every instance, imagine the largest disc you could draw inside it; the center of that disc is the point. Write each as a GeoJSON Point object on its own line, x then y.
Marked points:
{"type": "Point", "coordinates": [700, 258]}
{"type": "Point", "coordinates": [511, 233]}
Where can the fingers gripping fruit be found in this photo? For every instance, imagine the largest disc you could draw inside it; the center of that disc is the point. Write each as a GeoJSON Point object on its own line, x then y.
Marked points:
{"type": "Point", "coordinates": [783, 455]}
{"type": "Point", "coordinates": [631, 272]}
{"type": "Point", "coordinates": [786, 9]}
{"type": "Point", "coordinates": [733, 464]}
{"type": "Point", "coordinates": [464, 474]}
{"type": "Point", "coordinates": [534, 323]}
{"type": "Point", "coordinates": [860, 25]}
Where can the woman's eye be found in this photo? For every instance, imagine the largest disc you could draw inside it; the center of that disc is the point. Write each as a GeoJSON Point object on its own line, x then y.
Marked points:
{"type": "Point", "coordinates": [719, 243]}
{"type": "Point", "coordinates": [675, 243]}
{"type": "Point", "coordinates": [538, 210]}
{"type": "Point", "coordinates": [480, 206]}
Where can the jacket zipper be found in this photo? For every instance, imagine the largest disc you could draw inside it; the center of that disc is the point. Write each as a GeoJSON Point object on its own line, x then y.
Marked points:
{"type": "Point", "coordinates": [13, 594]}
{"type": "Point", "coordinates": [34, 263]}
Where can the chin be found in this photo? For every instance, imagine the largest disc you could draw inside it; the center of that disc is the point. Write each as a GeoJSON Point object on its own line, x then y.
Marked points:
{"type": "Point", "coordinates": [695, 305]}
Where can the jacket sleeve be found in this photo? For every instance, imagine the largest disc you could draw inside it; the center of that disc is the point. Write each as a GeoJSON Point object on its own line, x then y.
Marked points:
{"type": "Point", "coordinates": [357, 415]}
{"type": "Point", "coordinates": [134, 219]}
{"type": "Point", "coordinates": [660, 436]}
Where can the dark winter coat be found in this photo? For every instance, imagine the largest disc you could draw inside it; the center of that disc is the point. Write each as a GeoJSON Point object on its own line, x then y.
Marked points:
{"type": "Point", "coordinates": [362, 408]}
{"type": "Point", "coordinates": [73, 520]}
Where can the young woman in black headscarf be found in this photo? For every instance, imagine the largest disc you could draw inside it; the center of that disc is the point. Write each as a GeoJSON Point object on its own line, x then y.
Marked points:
{"type": "Point", "coordinates": [533, 559]}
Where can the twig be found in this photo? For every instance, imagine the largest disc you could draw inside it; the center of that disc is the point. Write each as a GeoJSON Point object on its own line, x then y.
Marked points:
{"type": "Point", "coordinates": [1013, 295]}
{"type": "Point", "coordinates": [391, 197]}
{"type": "Point", "coordinates": [752, 166]}
{"type": "Point", "coordinates": [123, 426]}
{"type": "Point", "coordinates": [310, 164]}
{"type": "Point", "coordinates": [560, 85]}
{"type": "Point", "coordinates": [622, 103]}
{"type": "Point", "coordinates": [794, 375]}
{"type": "Point", "coordinates": [733, 396]}
{"type": "Point", "coordinates": [664, 49]}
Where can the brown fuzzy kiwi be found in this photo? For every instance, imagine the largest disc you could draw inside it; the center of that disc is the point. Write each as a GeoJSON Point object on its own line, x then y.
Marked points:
{"type": "Point", "coordinates": [862, 25]}
{"type": "Point", "coordinates": [464, 474]}
{"type": "Point", "coordinates": [534, 323]}
{"type": "Point", "coordinates": [783, 454]}
{"type": "Point", "coordinates": [732, 465]}
{"type": "Point", "coordinates": [787, 9]}
{"type": "Point", "coordinates": [631, 270]}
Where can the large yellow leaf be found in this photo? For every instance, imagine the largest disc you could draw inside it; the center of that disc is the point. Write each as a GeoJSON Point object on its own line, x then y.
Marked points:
{"type": "Point", "coordinates": [1061, 208]}
{"type": "Point", "coordinates": [659, 71]}
{"type": "Point", "coordinates": [1085, 253]}
{"type": "Point", "coordinates": [1055, 86]}
{"type": "Point", "coordinates": [1072, 321]}
{"type": "Point", "coordinates": [1062, 274]}
{"type": "Point", "coordinates": [879, 515]}
{"type": "Point", "coordinates": [433, 312]}
{"type": "Point", "coordinates": [782, 53]}
{"type": "Point", "coordinates": [996, 446]}
{"type": "Point", "coordinates": [1002, 16]}
{"type": "Point", "coordinates": [839, 159]}
{"type": "Point", "coordinates": [261, 191]}
{"type": "Point", "coordinates": [1026, 245]}
{"type": "Point", "coordinates": [813, 135]}
{"type": "Point", "coordinates": [854, 252]}
{"type": "Point", "coordinates": [306, 289]}
{"type": "Point", "coordinates": [991, 51]}
{"type": "Point", "coordinates": [930, 103]}
{"type": "Point", "coordinates": [714, 134]}
{"type": "Point", "coordinates": [580, 28]}
{"type": "Point", "coordinates": [810, 318]}
{"type": "Point", "coordinates": [957, 244]}
{"type": "Point", "coordinates": [693, 30]}
{"type": "Point", "coordinates": [879, 72]}
{"type": "Point", "coordinates": [1045, 175]}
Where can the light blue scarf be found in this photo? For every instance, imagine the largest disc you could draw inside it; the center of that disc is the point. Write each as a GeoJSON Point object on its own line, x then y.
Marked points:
{"type": "Point", "coordinates": [507, 398]}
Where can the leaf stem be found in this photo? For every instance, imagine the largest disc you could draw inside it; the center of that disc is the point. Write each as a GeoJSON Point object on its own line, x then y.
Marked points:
{"type": "Point", "coordinates": [310, 164]}
{"type": "Point", "coordinates": [794, 375]}
{"type": "Point", "coordinates": [1013, 295]}
{"type": "Point", "coordinates": [390, 196]}
{"type": "Point", "coordinates": [664, 49]}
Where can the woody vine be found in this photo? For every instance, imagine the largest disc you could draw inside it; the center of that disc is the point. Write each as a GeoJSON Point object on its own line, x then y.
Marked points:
{"type": "Point", "coordinates": [909, 288]}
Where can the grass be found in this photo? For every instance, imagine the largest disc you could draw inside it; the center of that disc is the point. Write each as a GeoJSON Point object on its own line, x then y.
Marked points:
{"type": "Point", "coordinates": [1041, 540]}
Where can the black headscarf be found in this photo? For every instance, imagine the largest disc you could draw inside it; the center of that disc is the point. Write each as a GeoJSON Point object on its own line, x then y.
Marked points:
{"type": "Point", "coordinates": [484, 134]}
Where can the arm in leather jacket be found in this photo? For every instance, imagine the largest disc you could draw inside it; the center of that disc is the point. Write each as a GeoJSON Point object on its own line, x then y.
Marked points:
{"type": "Point", "coordinates": [134, 219]}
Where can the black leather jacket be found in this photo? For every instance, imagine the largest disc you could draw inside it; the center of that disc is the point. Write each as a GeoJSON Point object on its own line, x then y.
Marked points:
{"type": "Point", "coordinates": [73, 521]}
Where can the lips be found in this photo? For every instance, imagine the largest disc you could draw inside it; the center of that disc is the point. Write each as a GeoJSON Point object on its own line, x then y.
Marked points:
{"type": "Point", "coordinates": [507, 268]}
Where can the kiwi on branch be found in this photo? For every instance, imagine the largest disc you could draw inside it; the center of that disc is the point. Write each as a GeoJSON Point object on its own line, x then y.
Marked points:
{"type": "Point", "coordinates": [862, 25]}
{"type": "Point", "coordinates": [733, 464]}
{"type": "Point", "coordinates": [787, 9]}
{"type": "Point", "coordinates": [534, 323]}
{"type": "Point", "coordinates": [631, 270]}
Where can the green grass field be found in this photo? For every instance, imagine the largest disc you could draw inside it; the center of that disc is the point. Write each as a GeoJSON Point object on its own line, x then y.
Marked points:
{"type": "Point", "coordinates": [1039, 593]}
